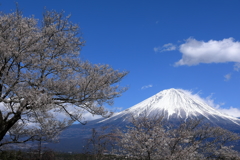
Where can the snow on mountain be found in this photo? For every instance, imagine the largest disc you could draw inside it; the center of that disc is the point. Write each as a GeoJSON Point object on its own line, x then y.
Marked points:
{"type": "Point", "coordinates": [175, 103]}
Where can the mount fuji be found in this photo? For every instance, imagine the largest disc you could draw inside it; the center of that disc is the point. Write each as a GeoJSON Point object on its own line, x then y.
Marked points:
{"type": "Point", "coordinates": [174, 104]}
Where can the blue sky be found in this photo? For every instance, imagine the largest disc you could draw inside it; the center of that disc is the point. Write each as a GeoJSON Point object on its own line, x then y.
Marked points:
{"type": "Point", "coordinates": [189, 44]}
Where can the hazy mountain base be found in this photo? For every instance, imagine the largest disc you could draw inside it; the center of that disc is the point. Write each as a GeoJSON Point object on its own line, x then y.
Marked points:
{"type": "Point", "coordinates": [74, 138]}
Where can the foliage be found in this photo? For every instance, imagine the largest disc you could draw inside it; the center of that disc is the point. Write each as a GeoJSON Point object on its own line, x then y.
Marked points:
{"type": "Point", "coordinates": [50, 155]}
{"type": "Point", "coordinates": [41, 75]}
{"type": "Point", "coordinates": [154, 138]}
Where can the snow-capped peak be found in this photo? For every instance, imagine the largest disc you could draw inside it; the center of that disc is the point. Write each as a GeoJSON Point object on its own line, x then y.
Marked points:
{"type": "Point", "coordinates": [176, 103]}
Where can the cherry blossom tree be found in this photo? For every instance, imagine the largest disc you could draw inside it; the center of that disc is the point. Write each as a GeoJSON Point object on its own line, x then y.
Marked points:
{"type": "Point", "coordinates": [152, 137]}
{"type": "Point", "coordinates": [41, 75]}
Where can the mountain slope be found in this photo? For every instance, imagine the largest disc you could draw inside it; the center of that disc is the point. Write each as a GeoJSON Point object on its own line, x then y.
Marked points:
{"type": "Point", "coordinates": [174, 104]}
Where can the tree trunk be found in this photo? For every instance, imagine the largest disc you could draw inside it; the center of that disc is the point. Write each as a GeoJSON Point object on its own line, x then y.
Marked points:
{"type": "Point", "coordinates": [6, 125]}
{"type": "Point", "coordinates": [40, 148]}
{"type": "Point", "coordinates": [149, 155]}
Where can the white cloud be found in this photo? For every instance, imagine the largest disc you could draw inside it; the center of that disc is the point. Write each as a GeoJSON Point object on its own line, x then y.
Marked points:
{"type": "Point", "coordinates": [85, 115]}
{"type": "Point", "coordinates": [235, 112]}
{"type": "Point", "coordinates": [227, 77]}
{"type": "Point", "coordinates": [165, 47]}
{"type": "Point", "coordinates": [213, 51]}
{"type": "Point", "coordinates": [88, 116]}
{"type": "Point", "coordinates": [210, 101]}
{"type": "Point", "coordinates": [237, 66]}
{"type": "Point", "coordinates": [147, 86]}
{"type": "Point", "coordinates": [61, 115]}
